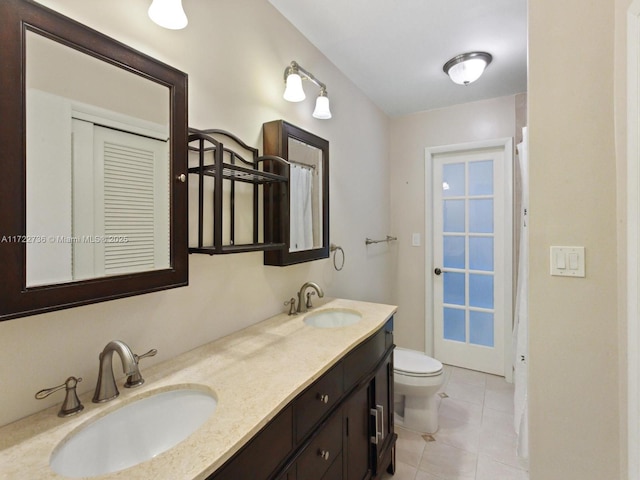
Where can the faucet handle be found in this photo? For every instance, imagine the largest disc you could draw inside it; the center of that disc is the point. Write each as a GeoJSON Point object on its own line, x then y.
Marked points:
{"type": "Point", "coordinates": [292, 306]}
{"type": "Point", "coordinates": [136, 379]}
{"type": "Point", "coordinates": [71, 404]}
{"type": "Point", "coordinates": [309, 304]}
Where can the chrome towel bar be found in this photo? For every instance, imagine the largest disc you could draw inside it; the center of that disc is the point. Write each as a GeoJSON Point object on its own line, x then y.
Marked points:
{"type": "Point", "coordinates": [389, 238]}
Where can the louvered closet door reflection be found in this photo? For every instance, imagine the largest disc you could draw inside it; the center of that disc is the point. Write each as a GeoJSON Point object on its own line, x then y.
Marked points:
{"type": "Point", "coordinates": [130, 212]}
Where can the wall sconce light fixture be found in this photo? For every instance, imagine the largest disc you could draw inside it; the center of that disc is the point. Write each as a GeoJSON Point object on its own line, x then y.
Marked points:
{"type": "Point", "coordinates": [467, 68]}
{"type": "Point", "coordinates": [168, 14]}
{"type": "Point", "coordinates": [293, 92]}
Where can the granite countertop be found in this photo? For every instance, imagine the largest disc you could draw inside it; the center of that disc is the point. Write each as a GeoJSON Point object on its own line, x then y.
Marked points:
{"type": "Point", "coordinates": [253, 373]}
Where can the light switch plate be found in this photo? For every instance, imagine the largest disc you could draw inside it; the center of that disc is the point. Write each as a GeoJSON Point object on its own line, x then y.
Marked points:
{"type": "Point", "coordinates": [567, 261]}
{"type": "Point", "coordinates": [415, 240]}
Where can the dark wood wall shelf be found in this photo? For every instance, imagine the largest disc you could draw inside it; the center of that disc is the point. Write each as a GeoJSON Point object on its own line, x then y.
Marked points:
{"type": "Point", "coordinates": [239, 164]}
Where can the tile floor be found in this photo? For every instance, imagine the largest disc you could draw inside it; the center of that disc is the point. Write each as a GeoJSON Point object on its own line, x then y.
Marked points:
{"type": "Point", "coordinates": [476, 439]}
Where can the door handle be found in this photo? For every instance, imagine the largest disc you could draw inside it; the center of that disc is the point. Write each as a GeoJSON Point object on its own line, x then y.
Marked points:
{"type": "Point", "coordinates": [380, 408]}
{"type": "Point", "coordinates": [374, 439]}
{"type": "Point", "coordinates": [437, 271]}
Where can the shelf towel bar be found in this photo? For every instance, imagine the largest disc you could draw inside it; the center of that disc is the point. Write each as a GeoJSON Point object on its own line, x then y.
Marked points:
{"type": "Point", "coordinates": [389, 238]}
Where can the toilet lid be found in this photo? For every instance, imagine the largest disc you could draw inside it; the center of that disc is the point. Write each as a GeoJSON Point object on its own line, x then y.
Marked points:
{"type": "Point", "coordinates": [415, 363]}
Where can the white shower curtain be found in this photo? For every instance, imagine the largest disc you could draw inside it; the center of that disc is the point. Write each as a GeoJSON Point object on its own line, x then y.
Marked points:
{"type": "Point", "coordinates": [521, 323]}
{"type": "Point", "coordinates": [301, 225]}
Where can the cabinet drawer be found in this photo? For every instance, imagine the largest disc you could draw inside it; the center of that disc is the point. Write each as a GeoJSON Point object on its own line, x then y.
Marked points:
{"type": "Point", "coordinates": [364, 358]}
{"type": "Point", "coordinates": [323, 451]}
{"type": "Point", "coordinates": [317, 400]}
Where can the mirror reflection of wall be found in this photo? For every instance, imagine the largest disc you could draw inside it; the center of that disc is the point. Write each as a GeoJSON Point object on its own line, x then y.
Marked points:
{"type": "Point", "coordinates": [305, 187]}
{"type": "Point", "coordinates": [97, 167]}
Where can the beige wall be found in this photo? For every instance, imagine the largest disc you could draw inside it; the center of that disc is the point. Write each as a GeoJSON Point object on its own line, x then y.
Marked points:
{"type": "Point", "coordinates": [410, 135]}
{"type": "Point", "coordinates": [574, 323]}
{"type": "Point", "coordinates": [235, 52]}
{"type": "Point", "coordinates": [620, 87]}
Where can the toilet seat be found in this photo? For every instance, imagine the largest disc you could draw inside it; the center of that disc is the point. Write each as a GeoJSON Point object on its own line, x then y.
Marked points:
{"type": "Point", "coordinates": [415, 364]}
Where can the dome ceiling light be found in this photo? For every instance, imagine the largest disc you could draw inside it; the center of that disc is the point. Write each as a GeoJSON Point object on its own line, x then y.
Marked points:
{"type": "Point", "coordinates": [468, 67]}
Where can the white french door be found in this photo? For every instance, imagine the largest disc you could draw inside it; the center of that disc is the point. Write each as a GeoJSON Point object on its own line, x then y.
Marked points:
{"type": "Point", "coordinates": [471, 264]}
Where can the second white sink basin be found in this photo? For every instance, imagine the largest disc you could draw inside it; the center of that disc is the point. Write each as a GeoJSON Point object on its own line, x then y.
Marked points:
{"type": "Point", "coordinates": [332, 318]}
{"type": "Point", "coordinates": [133, 433]}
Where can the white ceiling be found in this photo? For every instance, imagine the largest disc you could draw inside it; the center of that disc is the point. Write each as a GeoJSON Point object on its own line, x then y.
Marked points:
{"type": "Point", "coordinates": [394, 50]}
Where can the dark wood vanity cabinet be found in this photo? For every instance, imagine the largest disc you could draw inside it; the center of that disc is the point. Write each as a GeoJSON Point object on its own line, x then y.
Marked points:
{"type": "Point", "coordinates": [339, 428]}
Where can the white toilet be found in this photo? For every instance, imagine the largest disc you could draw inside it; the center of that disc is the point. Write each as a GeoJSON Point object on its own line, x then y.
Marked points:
{"type": "Point", "coordinates": [417, 379]}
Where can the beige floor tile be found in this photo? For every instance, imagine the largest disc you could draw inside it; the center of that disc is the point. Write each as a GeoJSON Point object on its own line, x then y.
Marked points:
{"type": "Point", "coordinates": [476, 439]}
{"type": "Point", "coordinates": [465, 391]}
{"type": "Point", "coordinates": [458, 434]}
{"type": "Point", "coordinates": [409, 447]}
{"type": "Point", "coordinates": [448, 462]}
{"type": "Point", "coordinates": [498, 421]}
{"type": "Point", "coordinates": [499, 447]}
{"type": "Point", "coordinates": [501, 400]}
{"type": "Point", "coordinates": [498, 383]}
{"type": "Point", "coordinates": [403, 472]}
{"type": "Point", "coordinates": [471, 377]}
{"type": "Point", "coordinates": [462, 410]}
{"type": "Point", "coordinates": [489, 469]}
{"type": "Point", "coordinates": [426, 476]}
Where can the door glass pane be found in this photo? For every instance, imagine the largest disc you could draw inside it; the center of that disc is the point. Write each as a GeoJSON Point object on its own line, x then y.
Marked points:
{"type": "Point", "coordinates": [481, 253]}
{"type": "Point", "coordinates": [481, 178]}
{"type": "Point", "coordinates": [481, 215]}
{"type": "Point", "coordinates": [454, 324]}
{"type": "Point", "coordinates": [481, 290]}
{"type": "Point", "coordinates": [453, 215]}
{"type": "Point", "coordinates": [453, 180]}
{"type": "Point", "coordinates": [453, 251]}
{"type": "Point", "coordinates": [454, 288]}
{"type": "Point", "coordinates": [481, 328]}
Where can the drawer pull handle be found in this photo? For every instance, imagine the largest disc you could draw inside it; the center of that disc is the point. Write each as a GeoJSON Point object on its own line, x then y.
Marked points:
{"type": "Point", "coordinates": [324, 454]}
{"type": "Point", "coordinates": [323, 398]}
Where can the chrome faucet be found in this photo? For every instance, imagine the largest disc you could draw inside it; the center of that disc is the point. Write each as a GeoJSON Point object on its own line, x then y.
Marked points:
{"type": "Point", "coordinates": [303, 305]}
{"type": "Point", "coordinates": [106, 388]}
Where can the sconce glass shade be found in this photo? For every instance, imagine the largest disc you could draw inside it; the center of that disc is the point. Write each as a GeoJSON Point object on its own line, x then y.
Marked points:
{"type": "Point", "coordinates": [168, 14]}
{"type": "Point", "coordinates": [468, 67]}
{"type": "Point", "coordinates": [322, 107]}
{"type": "Point", "coordinates": [293, 92]}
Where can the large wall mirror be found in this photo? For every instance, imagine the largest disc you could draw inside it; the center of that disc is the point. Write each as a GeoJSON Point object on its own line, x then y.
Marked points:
{"type": "Point", "coordinates": [299, 214]}
{"type": "Point", "coordinates": [94, 159]}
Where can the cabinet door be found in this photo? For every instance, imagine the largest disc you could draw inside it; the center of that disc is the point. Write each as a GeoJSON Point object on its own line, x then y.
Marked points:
{"type": "Point", "coordinates": [382, 412]}
{"type": "Point", "coordinates": [260, 457]}
{"type": "Point", "coordinates": [357, 435]}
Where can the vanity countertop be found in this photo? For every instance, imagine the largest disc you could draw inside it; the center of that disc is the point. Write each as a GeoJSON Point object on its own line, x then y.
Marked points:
{"type": "Point", "coordinates": [253, 373]}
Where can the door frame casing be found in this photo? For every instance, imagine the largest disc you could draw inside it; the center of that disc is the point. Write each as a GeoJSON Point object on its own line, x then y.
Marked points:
{"type": "Point", "coordinates": [506, 144]}
{"type": "Point", "coordinates": [633, 241]}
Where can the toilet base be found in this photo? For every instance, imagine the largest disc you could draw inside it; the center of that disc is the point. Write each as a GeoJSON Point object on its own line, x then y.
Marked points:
{"type": "Point", "coordinates": [420, 414]}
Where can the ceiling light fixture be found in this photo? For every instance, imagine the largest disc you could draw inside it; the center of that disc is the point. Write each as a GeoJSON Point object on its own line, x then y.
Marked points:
{"type": "Point", "coordinates": [168, 14]}
{"type": "Point", "coordinates": [293, 76]}
{"type": "Point", "coordinates": [466, 68]}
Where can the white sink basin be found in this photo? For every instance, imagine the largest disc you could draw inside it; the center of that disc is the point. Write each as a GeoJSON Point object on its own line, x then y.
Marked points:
{"type": "Point", "coordinates": [332, 318]}
{"type": "Point", "coordinates": [133, 433]}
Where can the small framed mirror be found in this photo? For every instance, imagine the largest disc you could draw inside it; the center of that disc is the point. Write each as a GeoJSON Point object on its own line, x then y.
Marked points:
{"type": "Point", "coordinates": [297, 214]}
{"type": "Point", "coordinates": [95, 204]}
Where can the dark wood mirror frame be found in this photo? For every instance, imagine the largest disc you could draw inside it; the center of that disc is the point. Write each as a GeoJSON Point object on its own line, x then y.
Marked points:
{"type": "Point", "coordinates": [276, 137]}
{"type": "Point", "coordinates": [16, 300]}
